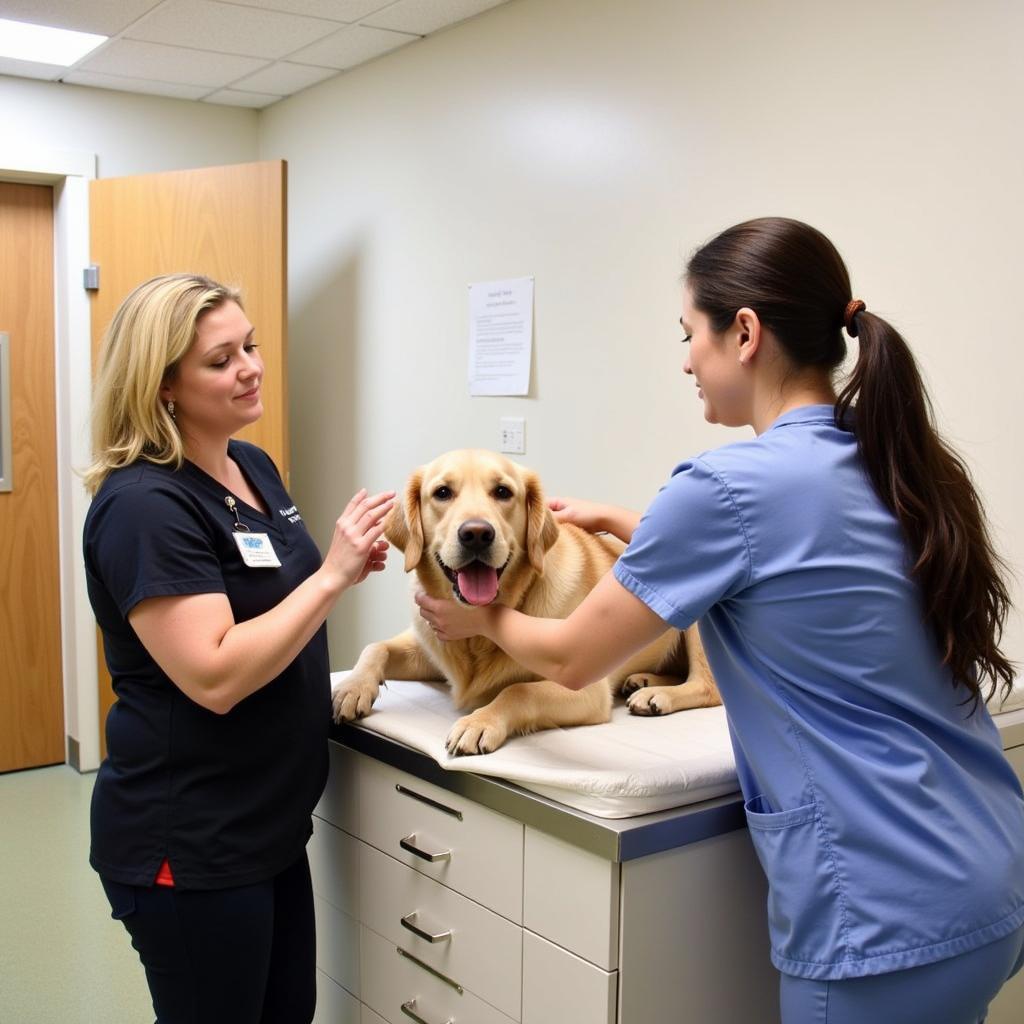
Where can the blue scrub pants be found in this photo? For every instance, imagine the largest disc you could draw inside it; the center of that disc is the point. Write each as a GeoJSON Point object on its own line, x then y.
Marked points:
{"type": "Point", "coordinates": [953, 991]}
{"type": "Point", "coordinates": [245, 955]}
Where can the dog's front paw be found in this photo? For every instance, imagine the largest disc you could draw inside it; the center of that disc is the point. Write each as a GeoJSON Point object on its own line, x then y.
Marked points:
{"type": "Point", "coordinates": [353, 697]}
{"type": "Point", "coordinates": [653, 701]}
{"type": "Point", "coordinates": [478, 733]}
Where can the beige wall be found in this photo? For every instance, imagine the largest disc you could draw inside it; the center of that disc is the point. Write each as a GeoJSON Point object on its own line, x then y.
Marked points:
{"type": "Point", "coordinates": [593, 144]}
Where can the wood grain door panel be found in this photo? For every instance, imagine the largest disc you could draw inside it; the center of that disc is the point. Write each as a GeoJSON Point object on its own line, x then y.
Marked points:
{"type": "Point", "coordinates": [31, 684]}
{"type": "Point", "coordinates": [228, 223]}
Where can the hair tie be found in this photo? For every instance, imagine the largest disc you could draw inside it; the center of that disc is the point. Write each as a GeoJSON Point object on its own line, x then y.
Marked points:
{"type": "Point", "coordinates": [853, 307]}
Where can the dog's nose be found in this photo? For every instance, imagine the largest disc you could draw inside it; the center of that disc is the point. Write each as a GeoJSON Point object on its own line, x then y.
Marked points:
{"type": "Point", "coordinates": [476, 534]}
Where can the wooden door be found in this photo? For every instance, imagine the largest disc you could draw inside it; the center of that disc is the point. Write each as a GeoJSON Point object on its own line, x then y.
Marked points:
{"type": "Point", "coordinates": [31, 683]}
{"type": "Point", "coordinates": [226, 222]}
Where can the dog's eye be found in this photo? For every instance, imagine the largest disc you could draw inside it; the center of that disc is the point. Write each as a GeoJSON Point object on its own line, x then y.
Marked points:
{"type": "Point", "coordinates": [443, 493]}
{"type": "Point", "coordinates": [502, 493]}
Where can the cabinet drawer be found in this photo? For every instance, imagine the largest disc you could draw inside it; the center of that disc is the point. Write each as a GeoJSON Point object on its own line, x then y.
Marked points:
{"type": "Point", "coordinates": [483, 952]}
{"type": "Point", "coordinates": [339, 801]}
{"type": "Point", "coordinates": [334, 866]}
{"type": "Point", "coordinates": [337, 944]}
{"type": "Point", "coordinates": [333, 1004]}
{"type": "Point", "coordinates": [390, 980]}
{"type": "Point", "coordinates": [559, 987]}
{"type": "Point", "coordinates": [571, 897]}
{"type": "Point", "coordinates": [479, 852]}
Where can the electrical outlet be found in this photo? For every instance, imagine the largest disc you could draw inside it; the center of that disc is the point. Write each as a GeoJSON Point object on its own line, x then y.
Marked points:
{"type": "Point", "coordinates": [513, 435]}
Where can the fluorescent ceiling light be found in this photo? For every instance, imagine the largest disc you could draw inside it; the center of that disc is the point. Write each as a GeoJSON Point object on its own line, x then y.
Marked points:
{"type": "Point", "coordinates": [22, 41]}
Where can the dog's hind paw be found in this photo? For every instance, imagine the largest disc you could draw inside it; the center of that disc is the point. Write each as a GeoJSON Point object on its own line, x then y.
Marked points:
{"type": "Point", "coordinates": [475, 734]}
{"type": "Point", "coordinates": [637, 681]}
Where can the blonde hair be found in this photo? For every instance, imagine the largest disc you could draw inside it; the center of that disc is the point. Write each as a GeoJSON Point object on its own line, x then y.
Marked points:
{"type": "Point", "coordinates": [151, 331]}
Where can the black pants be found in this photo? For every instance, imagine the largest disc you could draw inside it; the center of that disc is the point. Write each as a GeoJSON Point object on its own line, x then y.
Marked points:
{"type": "Point", "coordinates": [245, 955]}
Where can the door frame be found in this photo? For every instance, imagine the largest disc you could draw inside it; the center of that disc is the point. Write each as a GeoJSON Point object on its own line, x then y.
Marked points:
{"type": "Point", "coordinates": [69, 174]}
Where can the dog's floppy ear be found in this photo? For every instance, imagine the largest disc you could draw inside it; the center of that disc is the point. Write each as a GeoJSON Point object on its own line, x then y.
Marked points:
{"type": "Point", "coordinates": [403, 526]}
{"type": "Point", "coordinates": [541, 526]}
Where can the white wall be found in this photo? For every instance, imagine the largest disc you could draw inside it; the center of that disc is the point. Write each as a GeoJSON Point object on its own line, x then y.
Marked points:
{"type": "Point", "coordinates": [130, 134]}
{"type": "Point", "coordinates": [594, 143]}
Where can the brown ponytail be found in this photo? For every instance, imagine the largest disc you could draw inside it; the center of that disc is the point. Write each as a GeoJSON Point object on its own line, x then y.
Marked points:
{"type": "Point", "coordinates": [929, 489]}
{"type": "Point", "coordinates": [794, 279]}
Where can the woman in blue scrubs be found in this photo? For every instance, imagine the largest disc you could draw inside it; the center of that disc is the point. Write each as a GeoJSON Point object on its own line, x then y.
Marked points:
{"type": "Point", "coordinates": [851, 607]}
{"type": "Point", "coordinates": [211, 597]}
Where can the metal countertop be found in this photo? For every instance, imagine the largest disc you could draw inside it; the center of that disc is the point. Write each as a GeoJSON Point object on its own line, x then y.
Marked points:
{"type": "Point", "coordinates": [615, 839]}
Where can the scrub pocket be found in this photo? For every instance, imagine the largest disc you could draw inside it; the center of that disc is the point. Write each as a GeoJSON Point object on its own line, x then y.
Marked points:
{"type": "Point", "coordinates": [804, 902]}
{"type": "Point", "coordinates": [121, 898]}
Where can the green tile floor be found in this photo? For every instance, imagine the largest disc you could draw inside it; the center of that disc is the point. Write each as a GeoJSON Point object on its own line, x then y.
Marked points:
{"type": "Point", "coordinates": [62, 959]}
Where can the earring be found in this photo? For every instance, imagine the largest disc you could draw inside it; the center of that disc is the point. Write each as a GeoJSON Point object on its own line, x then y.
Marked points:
{"type": "Point", "coordinates": [170, 409]}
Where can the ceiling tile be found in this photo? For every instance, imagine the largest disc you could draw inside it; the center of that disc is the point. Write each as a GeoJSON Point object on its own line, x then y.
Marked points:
{"type": "Point", "coordinates": [30, 69]}
{"type": "Point", "coordinates": [170, 63]}
{"type": "Point", "coordinates": [351, 46]}
{"type": "Point", "coordinates": [234, 98]}
{"type": "Point", "coordinates": [425, 16]}
{"type": "Point", "coordinates": [347, 11]}
{"type": "Point", "coordinates": [105, 17]}
{"type": "Point", "coordinates": [229, 28]}
{"type": "Point", "coordinates": [283, 78]}
{"type": "Point", "coordinates": [186, 48]}
{"type": "Point", "coordinates": [181, 92]}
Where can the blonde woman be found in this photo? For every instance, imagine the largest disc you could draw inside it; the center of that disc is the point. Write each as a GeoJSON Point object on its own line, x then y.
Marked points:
{"type": "Point", "coordinates": [211, 597]}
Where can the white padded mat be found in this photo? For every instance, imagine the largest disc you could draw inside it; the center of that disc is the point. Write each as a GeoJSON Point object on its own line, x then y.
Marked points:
{"type": "Point", "coordinates": [629, 766]}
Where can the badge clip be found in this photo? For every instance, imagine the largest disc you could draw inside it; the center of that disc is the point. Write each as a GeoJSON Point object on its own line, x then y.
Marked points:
{"type": "Point", "coordinates": [233, 509]}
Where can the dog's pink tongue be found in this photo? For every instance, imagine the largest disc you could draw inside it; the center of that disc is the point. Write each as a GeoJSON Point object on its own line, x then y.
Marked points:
{"type": "Point", "coordinates": [478, 583]}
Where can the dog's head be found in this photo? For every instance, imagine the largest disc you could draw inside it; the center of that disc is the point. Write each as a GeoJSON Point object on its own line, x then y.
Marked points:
{"type": "Point", "coordinates": [471, 516]}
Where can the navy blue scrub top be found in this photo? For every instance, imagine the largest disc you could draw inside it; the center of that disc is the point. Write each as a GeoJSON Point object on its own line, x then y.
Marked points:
{"type": "Point", "coordinates": [889, 823]}
{"type": "Point", "coordinates": [227, 798]}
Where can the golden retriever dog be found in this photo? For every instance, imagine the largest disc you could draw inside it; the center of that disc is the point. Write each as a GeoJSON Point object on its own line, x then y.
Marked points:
{"type": "Point", "coordinates": [475, 526]}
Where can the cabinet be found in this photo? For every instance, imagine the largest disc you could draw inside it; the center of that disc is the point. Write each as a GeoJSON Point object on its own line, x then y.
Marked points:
{"type": "Point", "coordinates": [495, 905]}
{"type": "Point", "coordinates": [451, 898]}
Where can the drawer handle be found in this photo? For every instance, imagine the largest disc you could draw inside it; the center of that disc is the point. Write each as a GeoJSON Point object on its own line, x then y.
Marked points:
{"type": "Point", "coordinates": [430, 970]}
{"type": "Point", "coordinates": [426, 800]}
{"type": "Point", "coordinates": [408, 844]}
{"type": "Point", "coordinates": [409, 1009]}
{"type": "Point", "coordinates": [407, 922]}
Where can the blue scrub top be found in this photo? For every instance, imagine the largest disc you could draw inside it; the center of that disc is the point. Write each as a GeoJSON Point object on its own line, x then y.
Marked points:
{"type": "Point", "coordinates": [886, 817]}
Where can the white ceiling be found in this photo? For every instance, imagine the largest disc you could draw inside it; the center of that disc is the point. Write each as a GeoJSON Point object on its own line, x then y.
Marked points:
{"type": "Point", "coordinates": [247, 53]}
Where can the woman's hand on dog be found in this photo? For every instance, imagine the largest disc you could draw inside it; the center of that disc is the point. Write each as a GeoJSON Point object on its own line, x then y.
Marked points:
{"type": "Point", "coordinates": [451, 620]}
{"type": "Point", "coordinates": [587, 515]}
{"type": "Point", "coordinates": [595, 517]}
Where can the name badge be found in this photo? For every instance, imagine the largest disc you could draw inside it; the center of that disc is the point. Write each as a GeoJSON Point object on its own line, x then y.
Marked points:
{"type": "Point", "coordinates": [256, 550]}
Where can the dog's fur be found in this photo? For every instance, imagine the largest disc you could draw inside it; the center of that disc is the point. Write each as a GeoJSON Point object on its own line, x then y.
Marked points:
{"type": "Point", "coordinates": [545, 569]}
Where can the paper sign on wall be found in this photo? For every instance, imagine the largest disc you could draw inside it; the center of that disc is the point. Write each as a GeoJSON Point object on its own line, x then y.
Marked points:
{"type": "Point", "coordinates": [500, 336]}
